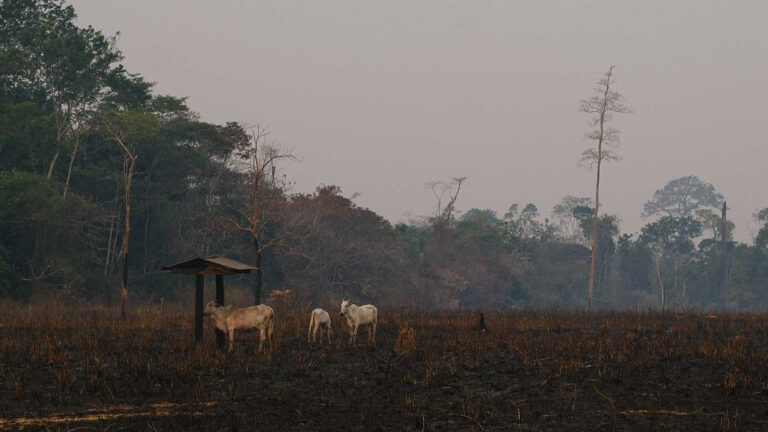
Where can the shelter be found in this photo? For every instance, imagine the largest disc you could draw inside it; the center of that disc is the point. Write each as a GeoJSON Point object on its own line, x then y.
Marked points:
{"type": "Point", "coordinates": [212, 265]}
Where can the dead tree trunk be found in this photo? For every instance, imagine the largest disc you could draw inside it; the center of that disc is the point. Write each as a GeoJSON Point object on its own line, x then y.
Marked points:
{"type": "Point", "coordinates": [52, 165]}
{"type": "Point", "coordinates": [597, 204]}
{"type": "Point", "coordinates": [259, 272]}
{"type": "Point", "coordinates": [661, 283]}
{"type": "Point", "coordinates": [723, 260]}
{"type": "Point", "coordinates": [71, 163]}
{"type": "Point", "coordinates": [126, 233]}
{"type": "Point", "coordinates": [61, 120]}
{"type": "Point", "coordinates": [602, 105]}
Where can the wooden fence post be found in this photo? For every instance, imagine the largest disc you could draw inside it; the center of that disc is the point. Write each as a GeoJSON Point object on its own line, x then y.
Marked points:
{"type": "Point", "coordinates": [199, 285]}
{"type": "Point", "coordinates": [220, 336]}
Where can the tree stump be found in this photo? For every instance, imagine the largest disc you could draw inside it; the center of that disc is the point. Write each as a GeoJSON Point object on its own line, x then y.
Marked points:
{"type": "Point", "coordinates": [483, 328]}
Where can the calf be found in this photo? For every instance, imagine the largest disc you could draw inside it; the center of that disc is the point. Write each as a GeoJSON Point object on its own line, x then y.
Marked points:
{"type": "Point", "coordinates": [319, 320]}
{"type": "Point", "coordinates": [357, 316]}
{"type": "Point", "coordinates": [229, 318]}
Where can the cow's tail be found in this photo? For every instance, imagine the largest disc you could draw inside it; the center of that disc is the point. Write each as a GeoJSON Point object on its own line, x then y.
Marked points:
{"type": "Point", "coordinates": [311, 324]}
{"type": "Point", "coordinates": [270, 328]}
{"type": "Point", "coordinates": [374, 323]}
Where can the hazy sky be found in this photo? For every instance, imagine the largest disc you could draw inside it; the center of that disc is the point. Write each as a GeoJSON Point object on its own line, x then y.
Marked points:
{"type": "Point", "coordinates": [382, 97]}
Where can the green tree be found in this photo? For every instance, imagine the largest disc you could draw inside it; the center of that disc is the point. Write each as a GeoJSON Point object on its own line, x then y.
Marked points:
{"type": "Point", "coordinates": [713, 223]}
{"type": "Point", "coordinates": [761, 241]}
{"type": "Point", "coordinates": [523, 227]}
{"type": "Point", "coordinates": [59, 62]}
{"type": "Point", "coordinates": [738, 285]}
{"type": "Point", "coordinates": [46, 242]}
{"type": "Point", "coordinates": [682, 197]}
{"type": "Point", "coordinates": [671, 240]}
{"type": "Point", "coordinates": [331, 248]}
{"type": "Point", "coordinates": [568, 223]}
{"type": "Point", "coordinates": [414, 236]}
{"type": "Point", "coordinates": [27, 138]}
{"type": "Point", "coordinates": [635, 264]}
{"type": "Point", "coordinates": [486, 260]}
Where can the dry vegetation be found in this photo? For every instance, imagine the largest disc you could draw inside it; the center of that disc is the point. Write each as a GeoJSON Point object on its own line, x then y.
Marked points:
{"type": "Point", "coordinates": [67, 367]}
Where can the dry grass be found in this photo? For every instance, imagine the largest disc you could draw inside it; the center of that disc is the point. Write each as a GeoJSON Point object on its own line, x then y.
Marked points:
{"type": "Point", "coordinates": [71, 365]}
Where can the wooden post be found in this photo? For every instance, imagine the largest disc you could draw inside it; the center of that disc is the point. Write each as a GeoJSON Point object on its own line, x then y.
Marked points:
{"type": "Point", "coordinates": [259, 273]}
{"type": "Point", "coordinates": [199, 285]}
{"type": "Point", "coordinates": [723, 260]}
{"type": "Point", "coordinates": [221, 341]}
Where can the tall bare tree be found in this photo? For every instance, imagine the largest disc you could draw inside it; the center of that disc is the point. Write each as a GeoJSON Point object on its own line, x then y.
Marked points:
{"type": "Point", "coordinates": [445, 190]}
{"type": "Point", "coordinates": [125, 128]}
{"type": "Point", "coordinates": [265, 195]}
{"type": "Point", "coordinates": [601, 106]}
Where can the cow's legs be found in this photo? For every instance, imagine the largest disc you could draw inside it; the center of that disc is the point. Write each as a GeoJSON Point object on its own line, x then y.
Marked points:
{"type": "Point", "coordinates": [231, 338]}
{"type": "Point", "coordinates": [373, 333]}
{"type": "Point", "coordinates": [328, 332]}
{"type": "Point", "coordinates": [262, 336]}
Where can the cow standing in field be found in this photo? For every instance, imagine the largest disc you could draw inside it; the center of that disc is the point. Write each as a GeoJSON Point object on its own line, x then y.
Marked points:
{"type": "Point", "coordinates": [230, 318]}
{"type": "Point", "coordinates": [357, 316]}
{"type": "Point", "coordinates": [320, 320]}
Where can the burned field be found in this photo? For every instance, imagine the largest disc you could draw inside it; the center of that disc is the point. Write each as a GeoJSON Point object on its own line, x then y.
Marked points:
{"type": "Point", "coordinates": [65, 368]}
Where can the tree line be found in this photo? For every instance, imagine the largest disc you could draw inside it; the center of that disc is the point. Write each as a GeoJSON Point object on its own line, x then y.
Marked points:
{"type": "Point", "coordinates": [103, 181]}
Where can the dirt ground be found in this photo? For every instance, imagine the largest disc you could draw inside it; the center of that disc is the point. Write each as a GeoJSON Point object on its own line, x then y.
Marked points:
{"type": "Point", "coordinates": [531, 371]}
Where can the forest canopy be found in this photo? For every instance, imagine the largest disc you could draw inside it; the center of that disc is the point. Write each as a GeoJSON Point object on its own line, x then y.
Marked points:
{"type": "Point", "coordinates": [103, 181]}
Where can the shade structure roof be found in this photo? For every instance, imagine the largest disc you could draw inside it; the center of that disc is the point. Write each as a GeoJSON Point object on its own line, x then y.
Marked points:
{"type": "Point", "coordinates": [215, 264]}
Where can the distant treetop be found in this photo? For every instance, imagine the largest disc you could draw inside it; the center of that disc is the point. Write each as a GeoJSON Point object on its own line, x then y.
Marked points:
{"type": "Point", "coordinates": [682, 197]}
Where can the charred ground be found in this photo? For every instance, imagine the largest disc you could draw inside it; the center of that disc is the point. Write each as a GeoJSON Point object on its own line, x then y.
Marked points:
{"type": "Point", "coordinates": [70, 367]}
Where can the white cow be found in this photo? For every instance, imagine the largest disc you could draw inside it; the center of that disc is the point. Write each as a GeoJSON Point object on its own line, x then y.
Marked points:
{"type": "Point", "coordinates": [357, 316]}
{"type": "Point", "coordinates": [229, 318]}
{"type": "Point", "coordinates": [320, 320]}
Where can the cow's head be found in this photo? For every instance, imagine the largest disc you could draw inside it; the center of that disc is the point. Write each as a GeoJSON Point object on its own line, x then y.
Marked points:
{"type": "Point", "coordinates": [211, 307]}
{"type": "Point", "coordinates": [344, 306]}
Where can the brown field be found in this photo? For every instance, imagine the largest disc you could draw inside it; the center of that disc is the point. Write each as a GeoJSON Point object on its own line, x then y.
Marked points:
{"type": "Point", "coordinates": [82, 368]}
